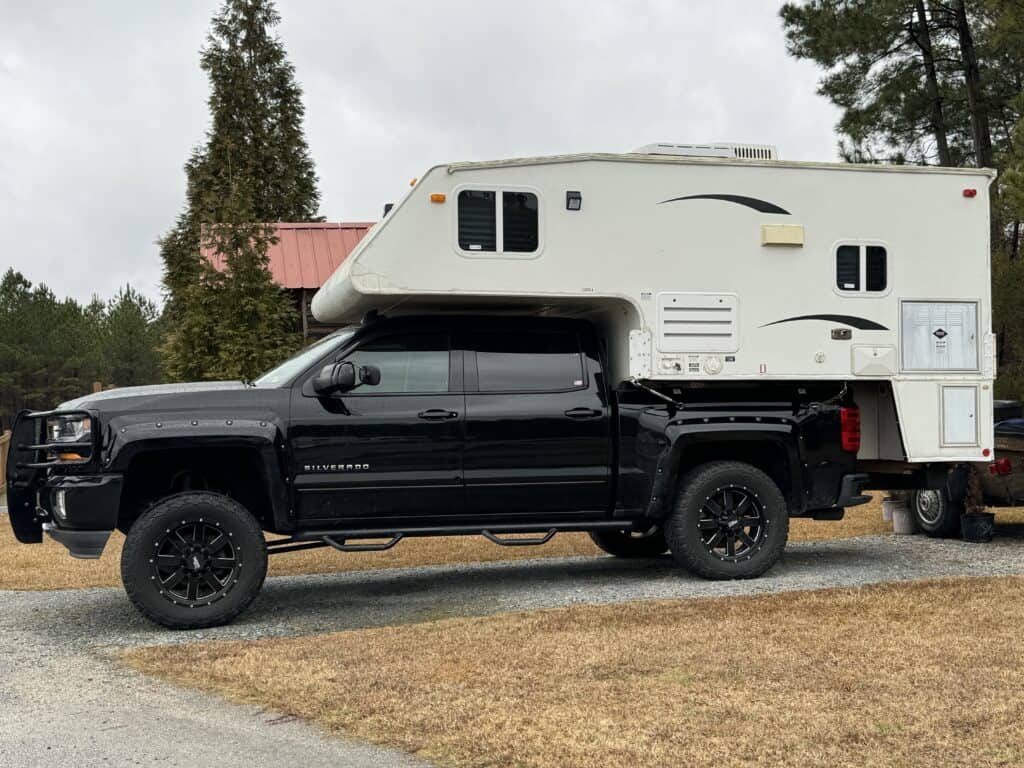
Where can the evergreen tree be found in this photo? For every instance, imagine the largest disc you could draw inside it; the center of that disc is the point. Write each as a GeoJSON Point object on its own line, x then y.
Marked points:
{"type": "Point", "coordinates": [904, 73]}
{"type": "Point", "coordinates": [130, 339]}
{"type": "Point", "coordinates": [53, 350]}
{"type": "Point", "coordinates": [253, 168]}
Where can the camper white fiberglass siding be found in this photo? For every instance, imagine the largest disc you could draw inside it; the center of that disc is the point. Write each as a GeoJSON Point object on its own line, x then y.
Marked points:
{"type": "Point", "coordinates": [714, 270]}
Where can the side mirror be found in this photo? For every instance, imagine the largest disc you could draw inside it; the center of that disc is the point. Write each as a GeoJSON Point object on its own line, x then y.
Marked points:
{"type": "Point", "coordinates": [342, 377]}
{"type": "Point", "coordinates": [369, 375]}
{"type": "Point", "coordinates": [336, 377]}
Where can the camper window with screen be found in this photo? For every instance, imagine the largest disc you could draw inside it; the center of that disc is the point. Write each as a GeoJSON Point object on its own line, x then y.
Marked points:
{"type": "Point", "coordinates": [486, 227]}
{"type": "Point", "coordinates": [861, 268]}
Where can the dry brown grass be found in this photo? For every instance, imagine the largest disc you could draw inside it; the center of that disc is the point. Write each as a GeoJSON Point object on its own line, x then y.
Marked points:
{"type": "Point", "coordinates": [919, 674]}
{"type": "Point", "coordinates": [47, 566]}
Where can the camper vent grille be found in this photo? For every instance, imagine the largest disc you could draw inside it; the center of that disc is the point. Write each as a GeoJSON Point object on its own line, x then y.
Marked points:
{"type": "Point", "coordinates": [697, 322]}
{"type": "Point", "coordinates": [741, 151]}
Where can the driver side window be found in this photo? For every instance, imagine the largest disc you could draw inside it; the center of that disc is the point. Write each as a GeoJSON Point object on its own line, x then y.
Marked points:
{"type": "Point", "coordinates": [408, 363]}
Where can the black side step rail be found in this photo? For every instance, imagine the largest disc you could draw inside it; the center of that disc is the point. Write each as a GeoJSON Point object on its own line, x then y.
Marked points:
{"type": "Point", "coordinates": [341, 546]}
{"type": "Point", "coordinates": [497, 534]}
{"type": "Point", "coordinates": [533, 542]}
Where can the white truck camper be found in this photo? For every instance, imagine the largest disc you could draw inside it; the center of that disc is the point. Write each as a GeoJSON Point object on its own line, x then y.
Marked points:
{"type": "Point", "coordinates": [713, 265]}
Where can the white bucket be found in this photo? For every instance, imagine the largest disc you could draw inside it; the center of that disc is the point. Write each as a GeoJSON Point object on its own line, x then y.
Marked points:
{"type": "Point", "coordinates": [899, 513]}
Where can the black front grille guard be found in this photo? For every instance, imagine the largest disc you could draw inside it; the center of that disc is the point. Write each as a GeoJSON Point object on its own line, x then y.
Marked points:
{"type": "Point", "coordinates": [31, 451]}
{"type": "Point", "coordinates": [31, 457]}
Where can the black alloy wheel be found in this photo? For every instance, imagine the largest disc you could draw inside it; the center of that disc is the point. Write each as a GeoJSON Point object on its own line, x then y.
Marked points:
{"type": "Point", "coordinates": [195, 563]}
{"type": "Point", "coordinates": [729, 521]}
{"type": "Point", "coordinates": [194, 559]}
{"type": "Point", "coordinates": [732, 523]}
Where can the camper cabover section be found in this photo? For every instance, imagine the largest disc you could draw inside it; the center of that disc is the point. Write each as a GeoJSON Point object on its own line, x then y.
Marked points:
{"type": "Point", "coordinates": [708, 270]}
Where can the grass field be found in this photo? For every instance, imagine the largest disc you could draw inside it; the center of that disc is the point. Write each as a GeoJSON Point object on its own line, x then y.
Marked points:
{"type": "Point", "coordinates": [48, 566]}
{"type": "Point", "coordinates": [914, 674]}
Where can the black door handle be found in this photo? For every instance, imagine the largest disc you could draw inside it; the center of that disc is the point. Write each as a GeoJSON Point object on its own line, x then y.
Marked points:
{"type": "Point", "coordinates": [437, 414]}
{"type": "Point", "coordinates": [583, 413]}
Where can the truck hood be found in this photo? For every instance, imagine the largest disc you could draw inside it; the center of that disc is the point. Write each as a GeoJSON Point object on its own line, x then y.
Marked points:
{"type": "Point", "coordinates": [154, 391]}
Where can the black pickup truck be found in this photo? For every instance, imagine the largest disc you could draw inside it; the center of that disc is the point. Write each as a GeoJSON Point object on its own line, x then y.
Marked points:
{"type": "Point", "coordinates": [426, 426]}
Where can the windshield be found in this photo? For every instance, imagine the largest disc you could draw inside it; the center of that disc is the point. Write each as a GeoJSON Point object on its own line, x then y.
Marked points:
{"type": "Point", "coordinates": [293, 366]}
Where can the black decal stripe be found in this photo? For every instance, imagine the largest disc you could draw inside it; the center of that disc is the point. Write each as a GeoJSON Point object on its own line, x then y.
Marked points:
{"type": "Point", "coordinates": [861, 323]}
{"type": "Point", "coordinates": [751, 202]}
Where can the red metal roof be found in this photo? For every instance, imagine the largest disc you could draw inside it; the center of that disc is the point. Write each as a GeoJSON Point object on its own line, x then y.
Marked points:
{"type": "Point", "coordinates": [306, 253]}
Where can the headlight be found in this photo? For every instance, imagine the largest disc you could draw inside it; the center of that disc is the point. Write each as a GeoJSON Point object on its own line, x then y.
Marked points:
{"type": "Point", "coordinates": [68, 429]}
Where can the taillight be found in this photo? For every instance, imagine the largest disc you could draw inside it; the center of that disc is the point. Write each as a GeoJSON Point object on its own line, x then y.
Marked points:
{"type": "Point", "coordinates": [1000, 467]}
{"type": "Point", "coordinates": [849, 419]}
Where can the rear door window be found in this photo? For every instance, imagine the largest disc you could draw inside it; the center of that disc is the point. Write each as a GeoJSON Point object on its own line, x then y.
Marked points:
{"type": "Point", "coordinates": [528, 362]}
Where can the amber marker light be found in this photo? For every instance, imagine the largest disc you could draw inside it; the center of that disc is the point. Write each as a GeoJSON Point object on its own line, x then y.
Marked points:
{"type": "Point", "coordinates": [438, 197]}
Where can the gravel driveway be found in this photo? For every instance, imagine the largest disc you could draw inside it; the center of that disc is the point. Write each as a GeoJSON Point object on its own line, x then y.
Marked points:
{"type": "Point", "coordinates": [65, 701]}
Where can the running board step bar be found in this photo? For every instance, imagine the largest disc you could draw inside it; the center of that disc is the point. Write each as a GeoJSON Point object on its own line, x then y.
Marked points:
{"type": "Point", "coordinates": [341, 546]}
{"type": "Point", "coordinates": [536, 541]}
{"type": "Point", "coordinates": [339, 538]}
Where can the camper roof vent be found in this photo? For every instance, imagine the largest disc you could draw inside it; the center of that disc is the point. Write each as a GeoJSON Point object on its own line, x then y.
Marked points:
{"type": "Point", "coordinates": [742, 151]}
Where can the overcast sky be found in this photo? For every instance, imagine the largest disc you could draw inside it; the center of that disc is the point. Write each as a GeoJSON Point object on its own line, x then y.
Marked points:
{"type": "Point", "coordinates": [101, 102]}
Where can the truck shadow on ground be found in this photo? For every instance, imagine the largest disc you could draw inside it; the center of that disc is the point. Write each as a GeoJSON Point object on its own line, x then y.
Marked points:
{"type": "Point", "coordinates": [298, 605]}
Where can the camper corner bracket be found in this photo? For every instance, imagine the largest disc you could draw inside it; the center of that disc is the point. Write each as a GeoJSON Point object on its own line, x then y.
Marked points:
{"type": "Point", "coordinates": [660, 395]}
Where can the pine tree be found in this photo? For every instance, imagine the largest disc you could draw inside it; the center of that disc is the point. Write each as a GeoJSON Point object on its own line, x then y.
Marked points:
{"type": "Point", "coordinates": [53, 349]}
{"type": "Point", "coordinates": [130, 339]}
{"type": "Point", "coordinates": [254, 168]}
{"type": "Point", "coordinates": [917, 81]}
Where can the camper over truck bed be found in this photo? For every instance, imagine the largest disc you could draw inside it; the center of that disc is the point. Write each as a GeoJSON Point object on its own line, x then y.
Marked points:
{"type": "Point", "coordinates": [707, 271]}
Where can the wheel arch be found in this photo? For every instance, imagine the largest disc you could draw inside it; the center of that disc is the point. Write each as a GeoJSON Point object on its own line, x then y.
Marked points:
{"type": "Point", "coordinates": [772, 449]}
{"type": "Point", "coordinates": [245, 468]}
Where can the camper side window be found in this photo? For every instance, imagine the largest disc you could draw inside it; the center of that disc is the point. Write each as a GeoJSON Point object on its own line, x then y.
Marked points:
{"type": "Point", "coordinates": [477, 221]}
{"type": "Point", "coordinates": [486, 227]}
{"type": "Point", "coordinates": [861, 269]}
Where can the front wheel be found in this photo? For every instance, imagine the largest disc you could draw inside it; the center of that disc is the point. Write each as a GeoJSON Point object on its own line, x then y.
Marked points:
{"type": "Point", "coordinates": [195, 559]}
{"type": "Point", "coordinates": [630, 544]}
{"type": "Point", "coordinates": [730, 521]}
{"type": "Point", "coordinates": [936, 514]}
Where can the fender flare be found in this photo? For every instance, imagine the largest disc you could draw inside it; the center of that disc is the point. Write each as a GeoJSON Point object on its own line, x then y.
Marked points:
{"type": "Point", "coordinates": [780, 433]}
{"type": "Point", "coordinates": [128, 439]}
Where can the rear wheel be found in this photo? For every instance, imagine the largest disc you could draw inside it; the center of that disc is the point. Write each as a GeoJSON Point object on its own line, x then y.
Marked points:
{"type": "Point", "coordinates": [196, 559]}
{"type": "Point", "coordinates": [649, 543]}
{"type": "Point", "coordinates": [936, 514]}
{"type": "Point", "coordinates": [730, 521]}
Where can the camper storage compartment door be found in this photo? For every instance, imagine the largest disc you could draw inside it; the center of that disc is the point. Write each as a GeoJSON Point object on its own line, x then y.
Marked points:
{"type": "Point", "coordinates": [959, 416]}
{"type": "Point", "coordinates": [939, 335]}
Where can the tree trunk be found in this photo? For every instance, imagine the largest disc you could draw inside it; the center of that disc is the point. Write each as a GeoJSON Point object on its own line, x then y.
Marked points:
{"type": "Point", "coordinates": [938, 120]}
{"type": "Point", "coordinates": [972, 80]}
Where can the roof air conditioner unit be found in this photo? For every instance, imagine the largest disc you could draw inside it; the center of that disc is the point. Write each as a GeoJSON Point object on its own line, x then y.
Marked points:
{"type": "Point", "coordinates": [741, 151]}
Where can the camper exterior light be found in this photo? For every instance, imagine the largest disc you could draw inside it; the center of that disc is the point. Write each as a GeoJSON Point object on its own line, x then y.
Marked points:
{"type": "Point", "coordinates": [970, 192]}
{"type": "Point", "coordinates": [438, 197]}
{"type": "Point", "coordinates": [573, 201]}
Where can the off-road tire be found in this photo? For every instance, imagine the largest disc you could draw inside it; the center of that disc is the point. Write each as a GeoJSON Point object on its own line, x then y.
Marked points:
{"type": "Point", "coordinates": [685, 537]}
{"type": "Point", "coordinates": [630, 544]}
{"type": "Point", "coordinates": [151, 533]}
{"type": "Point", "coordinates": [935, 514]}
